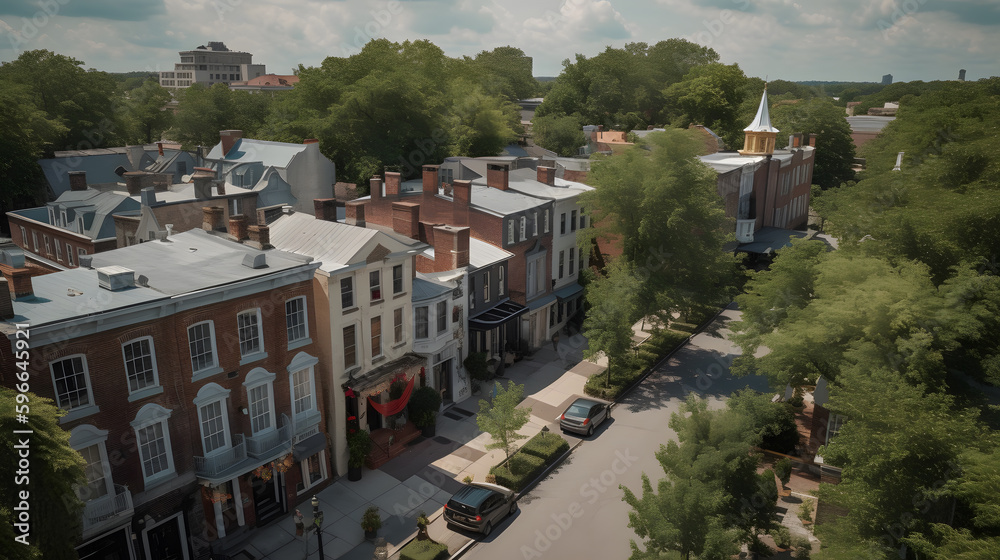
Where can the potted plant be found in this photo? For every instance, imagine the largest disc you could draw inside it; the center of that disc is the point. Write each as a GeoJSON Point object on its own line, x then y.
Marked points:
{"type": "Point", "coordinates": [359, 444]}
{"type": "Point", "coordinates": [424, 405]}
{"type": "Point", "coordinates": [783, 468]}
{"type": "Point", "coordinates": [371, 522]}
{"type": "Point", "coordinates": [422, 523]}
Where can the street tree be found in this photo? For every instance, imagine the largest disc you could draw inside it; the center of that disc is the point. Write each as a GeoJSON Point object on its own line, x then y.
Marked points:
{"type": "Point", "coordinates": [502, 418]}
{"type": "Point", "coordinates": [613, 309]}
{"type": "Point", "coordinates": [771, 423]}
{"type": "Point", "coordinates": [53, 509]}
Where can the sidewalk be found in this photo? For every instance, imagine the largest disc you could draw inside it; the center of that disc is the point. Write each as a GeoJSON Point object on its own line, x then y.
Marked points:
{"type": "Point", "coordinates": [425, 476]}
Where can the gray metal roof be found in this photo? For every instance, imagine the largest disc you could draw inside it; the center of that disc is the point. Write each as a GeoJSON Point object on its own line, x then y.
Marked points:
{"type": "Point", "coordinates": [500, 202]}
{"type": "Point", "coordinates": [334, 244]}
{"type": "Point", "coordinates": [424, 289]}
{"type": "Point", "coordinates": [97, 207]}
{"type": "Point", "coordinates": [100, 168]}
{"type": "Point", "coordinates": [482, 254]}
{"type": "Point", "coordinates": [526, 181]}
{"type": "Point", "coordinates": [761, 122]}
{"type": "Point", "coordinates": [277, 154]}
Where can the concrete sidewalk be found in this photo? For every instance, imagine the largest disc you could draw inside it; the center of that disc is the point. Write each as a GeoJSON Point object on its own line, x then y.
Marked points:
{"type": "Point", "coordinates": [425, 476]}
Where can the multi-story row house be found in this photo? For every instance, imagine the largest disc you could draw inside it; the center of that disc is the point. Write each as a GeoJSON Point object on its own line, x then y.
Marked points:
{"type": "Point", "coordinates": [187, 368]}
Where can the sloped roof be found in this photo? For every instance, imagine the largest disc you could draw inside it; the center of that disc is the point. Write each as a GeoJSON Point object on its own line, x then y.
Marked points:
{"type": "Point", "coordinates": [761, 122]}
{"type": "Point", "coordinates": [275, 154]}
{"type": "Point", "coordinates": [99, 168]}
{"type": "Point", "coordinates": [424, 289]}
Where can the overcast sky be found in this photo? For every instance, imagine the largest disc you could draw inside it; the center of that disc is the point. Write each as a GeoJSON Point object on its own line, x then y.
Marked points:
{"type": "Point", "coordinates": [834, 40]}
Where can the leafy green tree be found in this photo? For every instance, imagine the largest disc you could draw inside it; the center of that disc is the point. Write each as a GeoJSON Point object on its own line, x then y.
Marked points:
{"type": "Point", "coordinates": [54, 471]}
{"type": "Point", "coordinates": [504, 71]}
{"type": "Point", "coordinates": [834, 146]}
{"type": "Point", "coordinates": [482, 125]}
{"type": "Point", "coordinates": [661, 203]}
{"type": "Point", "coordinates": [771, 423]}
{"type": "Point", "coordinates": [146, 113]}
{"type": "Point", "coordinates": [503, 418]}
{"type": "Point", "coordinates": [203, 111]}
{"type": "Point", "coordinates": [562, 135]}
{"type": "Point", "coordinates": [709, 95]}
{"type": "Point", "coordinates": [611, 300]}
{"type": "Point", "coordinates": [28, 133]}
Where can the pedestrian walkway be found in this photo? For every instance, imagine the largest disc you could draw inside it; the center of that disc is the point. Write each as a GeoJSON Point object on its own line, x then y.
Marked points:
{"type": "Point", "coordinates": [425, 476]}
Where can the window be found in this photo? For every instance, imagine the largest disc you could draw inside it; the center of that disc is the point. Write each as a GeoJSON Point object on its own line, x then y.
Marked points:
{"type": "Point", "coordinates": [295, 319]}
{"type": "Point", "coordinates": [397, 325]}
{"type": "Point", "coordinates": [532, 277]}
{"type": "Point", "coordinates": [500, 286]}
{"type": "Point", "coordinates": [524, 222]}
{"type": "Point", "coordinates": [236, 205]}
{"type": "Point", "coordinates": [96, 484]}
{"type": "Point", "coordinates": [58, 251]}
{"type": "Point", "coordinates": [69, 255]}
{"type": "Point", "coordinates": [34, 240]}
{"type": "Point", "coordinates": [510, 232]}
{"type": "Point", "coordinates": [420, 320]}
{"type": "Point", "coordinates": [214, 435]}
{"type": "Point", "coordinates": [350, 347]}
{"type": "Point", "coordinates": [346, 293]}
{"type": "Point", "coordinates": [534, 224]}
{"type": "Point", "coordinates": [374, 284]}
{"type": "Point", "coordinates": [583, 219]}
{"type": "Point", "coordinates": [376, 337]}
{"type": "Point", "coordinates": [486, 286]}
{"type": "Point", "coordinates": [48, 248]}
{"type": "Point", "coordinates": [546, 218]}
{"type": "Point", "coordinates": [24, 235]}
{"type": "Point", "coordinates": [302, 391]}
{"type": "Point", "coordinates": [572, 220]}
{"type": "Point", "coordinates": [572, 258]}
{"type": "Point", "coordinates": [153, 439]}
{"type": "Point", "coordinates": [248, 327]}
{"type": "Point", "coordinates": [71, 382]}
{"type": "Point", "coordinates": [140, 364]}
{"type": "Point", "coordinates": [562, 255]}
{"type": "Point", "coordinates": [314, 469]}
{"type": "Point", "coordinates": [201, 341]}
{"type": "Point", "coordinates": [397, 279]}
{"type": "Point", "coordinates": [562, 223]}
{"type": "Point", "coordinates": [259, 399]}
{"type": "Point", "coordinates": [442, 316]}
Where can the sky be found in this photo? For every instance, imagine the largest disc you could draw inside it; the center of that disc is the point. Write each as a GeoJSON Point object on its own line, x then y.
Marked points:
{"type": "Point", "coordinates": [796, 40]}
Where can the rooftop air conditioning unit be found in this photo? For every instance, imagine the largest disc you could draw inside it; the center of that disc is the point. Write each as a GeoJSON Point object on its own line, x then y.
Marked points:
{"type": "Point", "coordinates": [115, 278]}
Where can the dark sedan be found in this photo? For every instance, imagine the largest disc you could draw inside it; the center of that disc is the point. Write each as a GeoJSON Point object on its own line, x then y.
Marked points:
{"type": "Point", "coordinates": [479, 506]}
{"type": "Point", "coordinates": [584, 416]}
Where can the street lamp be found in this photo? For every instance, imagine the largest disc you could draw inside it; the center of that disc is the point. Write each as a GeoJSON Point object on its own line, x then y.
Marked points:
{"type": "Point", "coordinates": [315, 525]}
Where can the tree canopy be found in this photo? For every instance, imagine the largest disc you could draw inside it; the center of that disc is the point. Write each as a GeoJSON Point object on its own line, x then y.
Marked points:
{"type": "Point", "coordinates": [502, 418]}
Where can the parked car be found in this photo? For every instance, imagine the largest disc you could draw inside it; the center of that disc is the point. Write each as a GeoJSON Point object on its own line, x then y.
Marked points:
{"type": "Point", "coordinates": [584, 415]}
{"type": "Point", "coordinates": [479, 506]}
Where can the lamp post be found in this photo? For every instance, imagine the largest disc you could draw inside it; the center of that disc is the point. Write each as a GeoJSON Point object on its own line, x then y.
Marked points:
{"type": "Point", "coordinates": [315, 525]}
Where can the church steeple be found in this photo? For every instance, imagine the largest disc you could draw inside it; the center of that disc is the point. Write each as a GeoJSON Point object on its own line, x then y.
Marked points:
{"type": "Point", "coordinates": [759, 137]}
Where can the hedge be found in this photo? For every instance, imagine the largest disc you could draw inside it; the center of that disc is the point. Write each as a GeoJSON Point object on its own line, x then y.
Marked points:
{"type": "Point", "coordinates": [424, 550]}
{"type": "Point", "coordinates": [521, 469]}
{"type": "Point", "coordinates": [623, 375]}
{"type": "Point", "coordinates": [546, 445]}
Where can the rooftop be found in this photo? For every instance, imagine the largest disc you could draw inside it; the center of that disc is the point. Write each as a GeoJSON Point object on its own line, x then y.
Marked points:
{"type": "Point", "coordinates": [761, 122]}
{"type": "Point", "coordinates": [276, 154]}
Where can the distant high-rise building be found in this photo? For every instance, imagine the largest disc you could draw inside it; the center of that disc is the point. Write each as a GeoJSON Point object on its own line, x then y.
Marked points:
{"type": "Point", "coordinates": [961, 75]}
{"type": "Point", "coordinates": [887, 79]}
{"type": "Point", "coordinates": [211, 65]}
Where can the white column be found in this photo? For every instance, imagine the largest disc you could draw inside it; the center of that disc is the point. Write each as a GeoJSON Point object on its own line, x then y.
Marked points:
{"type": "Point", "coordinates": [220, 523]}
{"type": "Point", "coordinates": [238, 501]}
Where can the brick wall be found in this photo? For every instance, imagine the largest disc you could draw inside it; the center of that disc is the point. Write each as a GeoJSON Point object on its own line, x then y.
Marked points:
{"type": "Point", "coordinates": [56, 235]}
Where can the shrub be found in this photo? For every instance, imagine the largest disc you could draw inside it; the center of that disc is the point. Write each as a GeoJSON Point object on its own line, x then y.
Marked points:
{"type": "Point", "coordinates": [782, 537]}
{"type": "Point", "coordinates": [521, 469]}
{"type": "Point", "coordinates": [783, 468]}
{"type": "Point", "coordinates": [359, 444]}
{"type": "Point", "coordinates": [546, 445]}
{"type": "Point", "coordinates": [475, 364]}
{"type": "Point", "coordinates": [806, 510]}
{"type": "Point", "coordinates": [371, 519]}
{"type": "Point", "coordinates": [802, 546]}
{"type": "Point", "coordinates": [424, 405]}
{"type": "Point", "coordinates": [623, 375]}
{"type": "Point", "coordinates": [424, 550]}
{"type": "Point", "coordinates": [684, 327]}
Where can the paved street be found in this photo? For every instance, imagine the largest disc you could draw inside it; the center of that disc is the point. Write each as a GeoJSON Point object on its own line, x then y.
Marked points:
{"type": "Point", "coordinates": [577, 511]}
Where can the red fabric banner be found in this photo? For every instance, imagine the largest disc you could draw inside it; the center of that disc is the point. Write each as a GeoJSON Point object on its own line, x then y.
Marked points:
{"type": "Point", "coordinates": [396, 406]}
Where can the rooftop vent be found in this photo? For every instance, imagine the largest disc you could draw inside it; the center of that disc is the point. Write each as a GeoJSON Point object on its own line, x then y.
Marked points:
{"type": "Point", "coordinates": [12, 257]}
{"type": "Point", "coordinates": [86, 260]}
{"type": "Point", "coordinates": [255, 260]}
{"type": "Point", "coordinates": [115, 278]}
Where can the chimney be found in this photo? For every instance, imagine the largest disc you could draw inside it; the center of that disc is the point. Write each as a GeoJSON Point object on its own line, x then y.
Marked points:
{"type": "Point", "coordinates": [546, 175]}
{"type": "Point", "coordinates": [451, 248]}
{"type": "Point", "coordinates": [86, 261]}
{"type": "Point", "coordinates": [238, 226]}
{"type": "Point", "coordinates": [961, 75]}
{"type": "Point", "coordinates": [159, 148]}
{"type": "Point", "coordinates": [260, 237]}
{"type": "Point", "coordinates": [356, 213]}
{"type": "Point", "coordinates": [406, 219]}
{"type": "Point", "coordinates": [220, 188]}
{"type": "Point", "coordinates": [392, 180]}
{"type": "Point", "coordinates": [311, 141]}
{"type": "Point", "coordinates": [899, 162]}
{"type": "Point", "coordinates": [212, 218]}
{"type": "Point", "coordinates": [202, 179]}
{"type": "Point", "coordinates": [497, 176]}
{"type": "Point", "coordinates": [325, 209]}
{"type": "Point", "coordinates": [796, 140]}
{"type": "Point", "coordinates": [77, 180]}
{"type": "Point", "coordinates": [21, 281]}
{"type": "Point", "coordinates": [6, 305]}
{"type": "Point", "coordinates": [812, 139]}
{"type": "Point", "coordinates": [147, 197]}
{"type": "Point", "coordinates": [228, 139]}
{"type": "Point", "coordinates": [461, 198]}
{"type": "Point", "coordinates": [430, 181]}
{"type": "Point", "coordinates": [375, 187]}
{"type": "Point", "coordinates": [133, 182]}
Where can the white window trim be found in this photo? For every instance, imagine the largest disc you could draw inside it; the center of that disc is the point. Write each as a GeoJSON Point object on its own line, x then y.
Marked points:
{"type": "Point", "coordinates": [69, 255]}
{"type": "Point", "coordinates": [303, 362]}
{"type": "Point", "coordinates": [182, 531]}
{"type": "Point", "coordinates": [371, 338]}
{"type": "Point", "coordinates": [447, 319]}
{"type": "Point", "coordinates": [299, 342]}
{"type": "Point", "coordinates": [147, 416]}
{"type": "Point", "coordinates": [84, 436]}
{"type": "Point", "coordinates": [354, 301]}
{"type": "Point", "coordinates": [155, 388]}
{"type": "Point", "coordinates": [210, 393]}
{"type": "Point", "coordinates": [322, 470]}
{"type": "Point", "coordinates": [546, 221]}
{"type": "Point", "coordinates": [534, 224]}
{"type": "Point", "coordinates": [214, 367]}
{"type": "Point", "coordinates": [80, 411]}
{"type": "Point", "coordinates": [34, 240]}
{"type": "Point", "coordinates": [524, 228]}
{"type": "Point", "coordinates": [427, 320]}
{"type": "Point", "coordinates": [371, 287]}
{"type": "Point", "coordinates": [257, 377]}
{"type": "Point", "coordinates": [510, 232]}
{"type": "Point", "coordinates": [260, 354]}
{"type": "Point", "coordinates": [500, 286]}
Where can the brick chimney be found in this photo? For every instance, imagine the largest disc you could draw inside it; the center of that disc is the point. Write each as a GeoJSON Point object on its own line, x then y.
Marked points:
{"type": "Point", "coordinates": [134, 182]}
{"type": "Point", "coordinates": [311, 141]}
{"type": "Point", "coordinates": [21, 283]}
{"type": "Point", "coordinates": [202, 179]}
{"type": "Point", "coordinates": [212, 217]}
{"type": "Point", "coordinates": [356, 213]}
{"type": "Point", "coordinates": [430, 181]}
{"type": "Point", "coordinates": [159, 148]}
{"type": "Point", "coordinates": [406, 219]}
{"type": "Point", "coordinates": [77, 180]}
{"type": "Point", "coordinates": [497, 176]}
{"type": "Point", "coordinates": [546, 175]}
{"type": "Point", "coordinates": [812, 139]}
{"type": "Point", "coordinates": [228, 139]}
{"type": "Point", "coordinates": [325, 209]}
{"type": "Point", "coordinates": [375, 187]}
{"type": "Point", "coordinates": [6, 305]}
{"type": "Point", "coordinates": [238, 226]}
{"type": "Point", "coordinates": [461, 197]}
{"type": "Point", "coordinates": [392, 180]}
{"type": "Point", "coordinates": [451, 248]}
{"type": "Point", "coordinates": [260, 236]}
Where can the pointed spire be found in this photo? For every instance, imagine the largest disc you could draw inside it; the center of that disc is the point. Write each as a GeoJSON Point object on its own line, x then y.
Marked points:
{"type": "Point", "coordinates": [762, 122]}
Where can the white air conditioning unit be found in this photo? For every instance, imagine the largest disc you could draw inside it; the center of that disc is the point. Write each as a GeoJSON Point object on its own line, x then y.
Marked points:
{"type": "Point", "coordinates": [115, 278]}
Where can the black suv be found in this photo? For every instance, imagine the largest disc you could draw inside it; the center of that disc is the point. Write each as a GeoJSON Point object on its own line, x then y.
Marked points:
{"type": "Point", "coordinates": [478, 506]}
